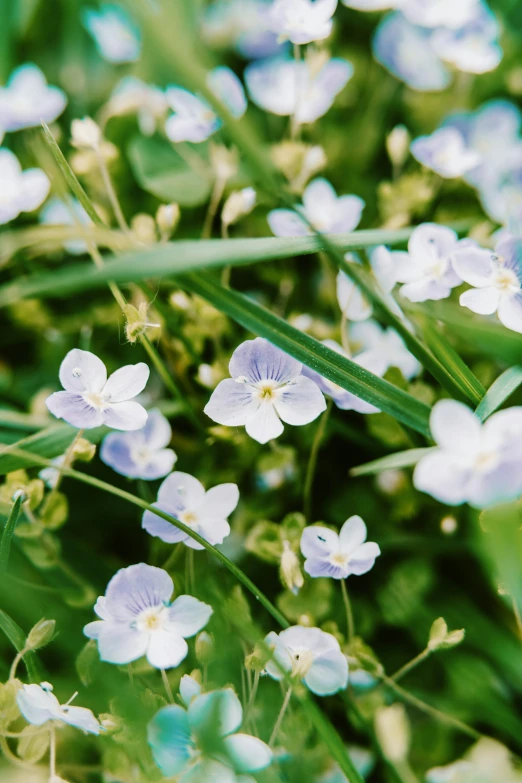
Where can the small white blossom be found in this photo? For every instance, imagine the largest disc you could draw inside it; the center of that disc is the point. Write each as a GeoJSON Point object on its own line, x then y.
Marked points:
{"type": "Point", "coordinates": [322, 208]}
{"type": "Point", "coordinates": [237, 205]}
{"type": "Point", "coordinates": [386, 347]}
{"type": "Point", "coordinates": [141, 453]}
{"type": "Point", "coordinates": [20, 191]}
{"type": "Point", "coordinates": [353, 303]}
{"type": "Point", "coordinates": [116, 36]}
{"type": "Point", "coordinates": [86, 134]}
{"type": "Point", "coordinates": [338, 554]}
{"type": "Point", "coordinates": [302, 21]}
{"type": "Point", "coordinates": [38, 705]}
{"type": "Point", "coordinates": [446, 153]}
{"type": "Point", "coordinates": [27, 99]}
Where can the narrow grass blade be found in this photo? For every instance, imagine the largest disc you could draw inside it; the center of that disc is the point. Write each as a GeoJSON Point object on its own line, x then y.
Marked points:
{"type": "Point", "coordinates": [17, 638]}
{"type": "Point", "coordinates": [402, 459]}
{"type": "Point", "coordinates": [449, 358]}
{"type": "Point", "coordinates": [5, 541]}
{"type": "Point", "coordinates": [499, 392]}
{"type": "Point", "coordinates": [48, 443]}
{"type": "Point", "coordinates": [312, 353]}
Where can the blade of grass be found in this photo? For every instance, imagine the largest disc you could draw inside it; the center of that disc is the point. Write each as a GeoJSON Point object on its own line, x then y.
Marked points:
{"type": "Point", "coordinates": [50, 442]}
{"type": "Point", "coordinates": [499, 392]}
{"type": "Point", "coordinates": [312, 353]}
{"type": "Point", "coordinates": [17, 638]}
{"type": "Point", "coordinates": [402, 459]}
{"type": "Point", "coordinates": [5, 541]}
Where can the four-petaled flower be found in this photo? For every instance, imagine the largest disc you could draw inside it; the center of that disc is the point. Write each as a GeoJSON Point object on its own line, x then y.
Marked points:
{"type": "Point", "coordinates": [20, 191]}
{"type": "Point", "coordinates": [302, 21]}
{"type": "Point", "coordinates": [446, 153]}
{"type": "Point", "coordinates": [38, 705]}
{"type": "Point", "coordinates": [385, 346]}
{"type": "Point", "coordinates": [142, 453]}
{"type": "Point", "coordinates": [475, 463]}
{"type": "Point", "coordinates": [310, 655]}
{"type": "Point", "coordinates": [338, 554]}
{"type": "Point", "coordinates": [322, 209]}
{"type": "Point", "coordinates": [201, 743]}
{"type": "Point", "coordinates": [90, 400]}
{"type": "Point", "coordinates": [184, 498]}
{"type": "Point", "coordinates": [27, 99]}
{"type": "Point", "coordinates": [497, 280]}
{"type": "Point", "coordinates": [137, 618]}
{"type": "Point", "coordinates": [267, 387]}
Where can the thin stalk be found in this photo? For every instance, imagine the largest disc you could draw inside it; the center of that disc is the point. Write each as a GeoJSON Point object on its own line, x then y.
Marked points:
{"type": "Point", "coordinates": [411, 665]}
{"type": "Point", "coordinates": [166, 683]}
{"type": "Point", "coordinates": [14, 666]}
{"type": "Point", "coordinates": [518, 618]}
{"type": "Point", "coordinates": [52, 753]}
{"type": "Point", "coordinates": [227, 270]}
{"type": "Point", "coordinates": [113, 198]}
{"type": "Point", "coordinates": [67, 462]}
{"type": "Point", "coordinates": [215, 198]}
{"type": "Point", "coordinates": [252, 699]}
{"type": "Point", "coordinates": [348, 609]}
{"type": "Point", "coordinates": [312, 462]}
{"type": "Point", "coordinates": [277, 726]}
{"type": "Point", "coordinates": [172, 558]}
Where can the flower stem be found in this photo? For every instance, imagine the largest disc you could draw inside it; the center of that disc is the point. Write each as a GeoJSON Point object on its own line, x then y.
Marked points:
{"type": "Point", "coordinates": [52, 753]}
{"type": "Point", "coordinates": [111, 193]}
{"type": "Point", "coordinates": [215, 198]}
{"type": "Point", "coordinates": [277, 726]}
{"type": "Point", "coordinates": [348, 608]}
{"type": "Point", "coordinates": [410, 665]}
{"type": "Point", "coordinates": [18, 657]}
{"type": "Point", "coordinates": [166, 683]}
{"type": "Point", "coordinates": [67, 462]}
{"type": "Point", "coordinates": [312, 462]}
{"type": "Point", "coordinates": [252, 699]}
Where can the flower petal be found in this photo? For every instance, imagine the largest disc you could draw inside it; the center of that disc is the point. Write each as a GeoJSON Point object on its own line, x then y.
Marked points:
{"type": "Point", "coordinates": [363, 559]}
{"type": "Point", "coordinates": [475, 265]}
{"type": "Point", "coordinates": [119, 643]}
{"type": "Point", "coordinates": [157, 432]}
{"type": "Point", "coordinates": [322, 567]}
{"type": "Point", "coordinates": [81, 718]}
{"type": "Point", "coordinates": [160, 528]}
{"type": "Point", "coordinates": [166, 650]}
{"type": "Point", "coordinates": [424, 290]}
{"type": "Point", "coordinates": [220, 501]}
{"type": "Point", "coordinates": [481, 300]}
{"type": "Point", "coordinates": [228, 89]}
{"type": "Point", "coordinates": [189, 688]}
{"type": "Point", "coordinates": [232, 403]}
{"type": "Point", "coordinates": [287, 223]}
{"type": "Point", "coordinates": [328, 673]}
{"type": "Point", "coordinates": [246, 753]}
{"type": "Point", "coordinates": [170, 740]}
{"type": "Point", "coordinates": [73, 409]}
{"type": "Point", "coordinates": [180, 491]}
{"type": "Point", "coordinates": [259, 360]}
{"type": "Point", "coordinates": [35, 187]}
{"type": "Point", "coordinates": [265, 425]}
{"type": "Point", "coordinates": [353, 533]}
{"type": "Point", "coordinates": [510, 312]}
{"type": "Point", "coordinates": [443, 477]}
{"type": "Point", "coordinates": [222, 707]}
{"type": "Point", "coordinates": [317, 541]}
{"type": "Point", "coordinates": [82, 371]}
{"type": "Point", "coordinates": [127, 382]}
{"type": "Point", "coordinates": [136, 588]}
{"type": "Point", "coordinates": [280, 661]}
{"type": "Point", "coordinates": [36, 704]}
{"type": "Point", "coordinates": [213, 529]}
{"type": "Point", "coordinates": [301, 402]}
{"type": "Point", "coordinates": [125, 416]}
{"type": "Point", "coordinates": [187, 615]}
{"type": "Point", "coordinates": [455, 427]}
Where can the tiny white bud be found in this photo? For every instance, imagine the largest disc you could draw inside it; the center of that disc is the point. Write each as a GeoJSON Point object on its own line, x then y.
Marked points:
{"type": "Point", "coordinates": [390, 481]}
{"type": "Point", "coordinates": [290, 569]}
{"type": "Point", "coordinates": [85, 134]}
{"type": "Point", "coordinates": [393, 732]}
{"type": "Point", "coordinates": [398, 144]}
{"type": "Point", "coordinates": [448, 525]}
{"type": "Point", "coordinates": [238, 204]}
{"type": "Point", "coordinates": [167, 218]}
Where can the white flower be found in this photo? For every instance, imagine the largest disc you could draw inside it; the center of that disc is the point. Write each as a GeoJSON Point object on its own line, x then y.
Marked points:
{"type": "Point", "coordinates": [266, 388]}
{"type": "Point", "coordinates": [27, 99]}
{"type": "Point", "coordinates": [310, 655]}
{"type": "Point", "coordinates": [138, 618]}
{"type": "Point", "coordinates": [57, 213]}
{"type": "Point", "coordinates": [440, 13]}
{"type": "Point", "coordinates": [86, 134]}
{"type": "Point", "coordinates": [90, 400]}
{"type": "Point", "coordinates": [472, 48]}
{"type": "Point", "coordinates": [38, 704]}
{"type": "Point", "coordinates": [132, 95]}
{"type": "Point", "coordinates": [497, 280]}
{"type": "Point", "coordinates": [338, 554]}
{"type": "Point", "coordinates": [116, 36]}
{"type": "Point", "coordinates": [237, 205]}
{"type": "Point", "coordinates": [302, 21]}
{"type": "Point", "coordinates": [20, 191]}
{"type": "Point", "coordinates": [446, 153]}
{"type": "Point", "coordinates": [322, 208]}
{"type": "Point", "coordinates": [184, 497]}
{"type": "Point", "coordinates": [353, 304]}
{"type": "Point", "coordinates": [371, 5]}
{"type": "Point", "coordinates": [475, 463]}
{"type": "Point", "coordinates": [427, 268]}
{"type": "Point", "coordinates": [386, 347]}
{"type": "Point", "coordinates": [141, 453]}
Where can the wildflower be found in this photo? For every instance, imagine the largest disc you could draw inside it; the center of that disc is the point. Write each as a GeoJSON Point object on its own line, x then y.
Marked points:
{"type": "Point", "coordinates": [338, 554]}
{"type": "Point", "coordinates": [354, 305]}
{"type": "Point", "coordinates": [370, 5]}
{"type": "Point", "coordinates": [397, 145]}
{"type": "Point", "coordinates": [445, 152]}
{"type": "Point", "coordinates": [439, 13]}
{"type": "Point", "coordinates": [322, 209]}
{"type": "Point", "coordinates": [427, 268]}
{"type": "Point", "coordinates": [38, 704]}
{"type": "Point", "coordinates": [472, 48]}
{"type": "Point", "coordinates": [116, 36]}
{"type": "Point", "coordinates": [167, 219]}
{"type": "Point", "coordinates": [475, 463]}
{"type": "Point", "coordinates": [27, 99]}
{"type": "Point", "coordinates": [237, 205]}
{"type": "Point", "coordinates": [179, 739]}
{"type": "Point", "coordinates": [142, 453]}
{"type": "Point", "coordinates": [304, 90]}
{"type": "Point", "coordinates": [496, 279]}
{"type": "Point", "coordinates": [488, 761]}
{"type": "Point", "coordinates": [194, 119]}
{"type": "Point", "coordinates": [134, 96]}
{"type": "Point", "coordinates": [267, 387]}
{"type": "Point", "coordinates": [184, 498]}
{"type": "Point", "coordinates": [309, 655]}
{"type": "Point", "coordinates": [302, 21]}
{"type": "Point", "coordinates": [138, 618]}
{"type": "Point", "coordinates": [90, 400]}
{"type": "Point", "coordinates": [386, 347]}
{"type": "Point", "coordinates": [345, 400]}
{"type": "Point", "coordinates": [57, 213]}
{"type": "Point", "coordinates": [20, 191]}
{"type": "Point", "coordinates": [86, 134]}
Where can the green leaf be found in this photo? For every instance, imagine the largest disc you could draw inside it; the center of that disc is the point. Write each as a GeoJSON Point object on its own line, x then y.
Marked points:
{"type": "Point", "coordinates": [7, 535]}
{"type": "Point", "coordinates": [33, 744]}
{"type": "Point", "coordinates": [48, 443]}
{"type": "Point", "coordinates": [402, 459]}
{"type": "Point", "coordinates": [499, 392]}
{"type": "Point", "coordinates": [312, 353]}
{"type": "Point", "coordinates": [17, 638]}
{"type": "Point", "coordinates": [159, 170]}
{"type": "Point", "coordinates": [500, 538]}
{"type": "Point", "coordinates": [175, 258]}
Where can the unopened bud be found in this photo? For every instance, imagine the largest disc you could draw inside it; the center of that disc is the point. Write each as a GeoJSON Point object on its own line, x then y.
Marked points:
{"type": "Point", "coordinates": [398, 144]}
{"type": "Point", "coordinates": [258, 659]}
{"type": "Point", "coordinates": [441, 638]}
{"type": "Point", "coordinates": [167, 218]}
{"type": "Point", "coordinates": [393, 732]}
{"type": "Point", "coordinates": [85, 134]}
{"type": "Point", "coordinates": [224, 162]}
{"type": "Point", "coordinates": [41, 634]}
{"type": "Point", "coordinates": [204, 648]}
{"type": "Point", "coordinates": [390, 482]}
{"type": "Point", "coordinates": [84, 450]}
{"type": "Point", "coordinates": [238, 204]}
{"type": "Point", "coordinates": [136, 321]}
{"type": "Point", "coordinates": [448, 525]}
{"type": "Point", "coordinates": [290, 569]}
{"type": "Point", "coordinates": [144, 228]}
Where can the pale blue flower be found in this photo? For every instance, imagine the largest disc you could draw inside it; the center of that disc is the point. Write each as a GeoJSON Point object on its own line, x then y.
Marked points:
{"type": "Point", "coordinates": [302, 21]}
{"type": "Point", "coordinates": [134, 96]}
{"type": "Point", "coordinates": [194, 119]}
{"type": "Point", "coordinates": [405, 50]}
{"type": "Point", "coordinates": [117, 38]}
{"type": "Point", "coordinates": [309, 655]}
{"type": "Point", "coordinates": [243, 24]}
{"type": "Point", "coordinates": [90, 399]}
{"type": "Point", "coordinates": [20, 191]}
{"type": "Point", "coordinates": [371, 5]}
{"type": "Point", "coordinates": [338, 555]}
{"type": "Point", "coordinates": [27, 99]}
{"type": "Point", "coordinates": [446, 153]}
{"type": "Point", "coordinates": [141, 454]}
{"type": "Point", "coordinates": [184, 498]}
{"type": "Point", "coordinates": [386, 347]}
{"type": "Point", "coordinates": [38, 705]}
{"type": "Point", "coordinates": [267, 388]}
{"type": "Point", "coordinates": [57, 213]}
{"type": "Point", "coordinates": [472, 48]}
{"type": "Point", "coordinates": [440, 13]}
{"type": "Point", "coordinates": [475, 463]}
{"type": "Point", "coordinates": [285, 87]}
{"type": "Point", "coordinates": [496, 279]}
{"type": "Point", "coordinates": [353, 303]}
{"type": "Point", "coordinates": [138, 618]}
{"type": "Point", "coordinates": [179, 739]}
{"type": "Point", "coordinates": [322, 208]}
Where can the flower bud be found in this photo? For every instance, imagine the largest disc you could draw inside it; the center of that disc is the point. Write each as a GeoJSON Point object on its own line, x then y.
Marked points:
{"type": "Point", "coordinates": [258, 659]}
{"type": "Point", "coordinates": [136, 321]}
{"type": "Point", "coordinates": [85, 134]}
{"type": "Point", "coordinates": [204, 648]}
{"type": "Point", "coordinates": [224, 162]}
{"type": "Point", "coordinates": [398, 144]}
{"type": "Point", "coordinates": [441, 638]}
{"type": "Point", "coordinates": [84, 450]}
{"type": "Point", "coordinates": [290, 569]}
{"type": "Point", "coordinates": [167, 218]}
{"type": "Point", "coordinates": [144, 228]}
{"type": "Point", "coordinates": [448, 525]}
{"type": "Point", "coordinates": [40, 635]}
{"type": "Point", "coordinates": [393, 732]}
{"type": "Point", "coordinates": [238, 204]}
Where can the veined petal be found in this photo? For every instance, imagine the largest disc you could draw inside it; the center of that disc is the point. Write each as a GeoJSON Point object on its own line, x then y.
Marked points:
{"type": "Point", "coordinates": [475, 266]}
{"type": "Point", "coordinates": [165, 649]}
{"type": "Point", "coordinates": [246, 753]}
{"type": "Point", "coordinates": [510, 312]}
{"type": "Point", "coordinates": [187, 615]}
{"type": "Point", "coordinates": [317, 541]}
{"type": "Point", "coordinates": [82, 371]}
{"type": "Point", "coordinates": [363, 559]}
{"type": "Point", "coordinates": [322, 567]}
{"type": "Point", "coordinates": [259, 360]}
{"type": "Point", "coordinates": [127, 382]}
{"type": "Point", "coordinates": [484, 301]}
{"type": "Point", "coordinates": [232, 403]}
{"type": "Point", "coordinates": [328, 673]}
{"type": "Point", "coordinates": [455, 427]}
{"type": "Point", "coordinates": [265, 425]}
{"type": "Point", "coordinates": [136, 588]}
{"type": "Point", "coordinates": [73, 409]}
{"type": "Point", "coordinates": [353, 534]}
{"type": "Point", "coordinates": [159, 527]}
{"type": "Point", "coordinates": [301, 402]}
{"type": "Point", "coordinates": [118, 643]}
{"type": "Point", "coordinates": [125, 416]}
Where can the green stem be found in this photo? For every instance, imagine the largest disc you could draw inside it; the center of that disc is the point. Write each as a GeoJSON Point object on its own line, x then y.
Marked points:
{"type": "Point", "coordinates": [215, 198]}
{"type": "Point", "coordinates": [348, 608]}
{"type": "Point", "coordinates": [52, 753]}
{"type": "Point", "coordinates": [111, 193]}
{"type": "Point", "coordinates": [312, 462]}
{"type": "Point", "coordinates": [166, 683]}
{"type": "Point", "coordinates": [252, 699]}
{"type": "Point", "coordinates": [277, 726]}
{"type": "Point", "coordinates": [410, 665]}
